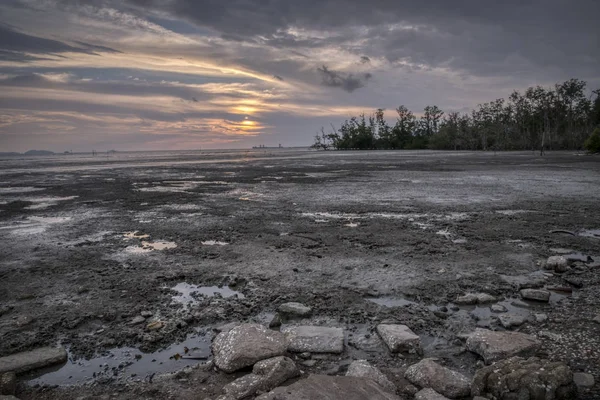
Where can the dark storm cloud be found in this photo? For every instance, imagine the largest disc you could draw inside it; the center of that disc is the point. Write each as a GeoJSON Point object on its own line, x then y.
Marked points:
{"type": "Point", "coordinates": [347, 82]}
{"type": "Point", "coordinates": [15, 45]}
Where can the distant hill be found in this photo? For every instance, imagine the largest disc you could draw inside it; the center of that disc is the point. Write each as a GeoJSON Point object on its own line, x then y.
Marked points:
{"type": "Point", "coordinates": [38, 153]}
{"type": "Point", "coordinates": [8, 153]}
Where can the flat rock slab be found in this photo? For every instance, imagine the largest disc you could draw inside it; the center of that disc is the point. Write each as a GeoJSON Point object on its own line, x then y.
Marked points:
{"type": "Point", "coordinates": [582, 379]}
{"type": "Point", "coordinates": [494, 346]}
{"type": "Point", "coordinates": [245, 345]}
{"type": "Point", "coordinates": [294, 309]}
{"type": "Point", "coordinates": [429, 394]}
{"type": "Point", "coordinates": [314, 339]}
{"type": "Point", "coordinates": [34, 359]}
{"type": "Point", "coordinates": [399, 338]}
{"type": "Point", "coordinates": [362, 369]}
{"type": "Point", "coordinates": [323, 387]}
{"type": "Point", "coordinates": [536, 294]}
{"type": "Point", "coordinates": [429, 374]}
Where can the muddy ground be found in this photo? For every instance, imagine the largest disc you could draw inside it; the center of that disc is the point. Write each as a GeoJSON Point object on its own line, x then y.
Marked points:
{"type": "Point", "coordinates": [89, 243]}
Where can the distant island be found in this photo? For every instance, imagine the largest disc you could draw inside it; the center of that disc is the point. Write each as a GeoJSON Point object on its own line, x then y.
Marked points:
{"type": "Point", "coordinates": [262, 146]}
{"type": "Point", "coordinates": [28, 153]}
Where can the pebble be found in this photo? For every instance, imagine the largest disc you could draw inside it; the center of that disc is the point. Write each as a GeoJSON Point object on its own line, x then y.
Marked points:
{"type": "Point", "coordinates": [582, 379]}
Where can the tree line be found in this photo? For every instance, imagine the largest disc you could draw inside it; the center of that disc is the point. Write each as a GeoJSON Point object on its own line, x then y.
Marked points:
{"type": "Point", "coordinates": [557, 118]}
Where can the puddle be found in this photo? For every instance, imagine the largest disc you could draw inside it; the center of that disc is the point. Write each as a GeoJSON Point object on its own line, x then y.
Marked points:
{"type": "Point", "coordinates": [45, 202]}
{"type": "Point", "coordinates": [214, 243]}
{"type": "Point", "coordinates": [594, 233]}
{"type": "Point", "coordinates": [135, 235]}
{"type": "Point", "coordinates": [125, 363]}
{"type": "Point", "coordinates": [188, 293]}
{"type": "Point", "coordinates": [577, 256]}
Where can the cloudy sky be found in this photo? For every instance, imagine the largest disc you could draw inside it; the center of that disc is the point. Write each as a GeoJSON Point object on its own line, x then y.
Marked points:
{"type": "Point", "coordinates": [189, 74]}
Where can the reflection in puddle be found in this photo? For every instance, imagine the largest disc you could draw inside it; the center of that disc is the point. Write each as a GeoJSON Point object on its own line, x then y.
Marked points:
{"type": "Point", "coordinates": [126, 362]}
{"type": "Point", "coordinates": [188, 293]}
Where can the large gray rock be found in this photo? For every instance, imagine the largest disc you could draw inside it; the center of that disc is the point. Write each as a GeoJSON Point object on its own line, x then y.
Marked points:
{"type": "Point", "coordinates": [245, 345]}
{"type": "Point", "coordinates": [266, 375]}
{"type": "Point", "coordinates": [314, 339]}
{"type": "Point", "coordinates": [429, 374]}
{"type": "Point", "coordinates": [584, 380]}
{"type": "Point", "coordinates": [294, 309]}
{"type": "Point", "coordinates": [399, 338]}
{"type": "Point", "coordinates": [362, 369]}
{"type": "Point", "coordinates": [429, 394]}
{"type": "Point", "coordinates": [494, 346]}
{"type": "Point", "coordinates": [519, 378]}
{"type": "Point", "coordinates": [323, 387]}
{"type": "Point", "coordinates": [536, 294]}
{"type": "Point", "coordinates": [34, 359]}
{"type": "Point", "coordinates": [511, 320]}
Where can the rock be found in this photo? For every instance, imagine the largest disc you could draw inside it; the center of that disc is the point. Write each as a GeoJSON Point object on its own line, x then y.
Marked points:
{"type": "Point", "coordinates": [154, 326]}
{"type": "Point", "coordinates": [276, 321]}
{"type": "Point", "coordinates": [294, 309]}
{"type": "Point", "coordinates": [475, 298]}
{"type": "Point", "coordinates": [399, 338]}
{"type": "Point", "coordinates": [245, 345]}
{"type": "Point", "coordinates": [511, 320]}
{"type": "Point", "coordinates": [266, 375]}
{"type": "Point", "coordinates": [305, 355]}
{"type": "Point", "coordinates": [137, 320]}
{"type": "Point", "coordinates": [362, 369]}
{"type": "Point", "coordinates": [597, 319]}
{"type": "Point", "coordinates": [323, 387]}
{"type": "Point", "coordinates": [429, 394]}
{"type": "Point", "coordinates": [583, 380]}
{"type": "Point", "coordinates": [8, 397]}
{"type": "Point", "coordinates": [494, 346]}
{"type": "Point", "coordinates": [146, 314]}
{"type": "Point", "coordinates": [498, 308]}
{"type": "Point", "coordinates": [550, 335]}
{"type": "Point", "coordinates": [429, 374]}
{"type": "Point", "coordinates": [34, 359]}
{"type": "Point", "coordinates": [519, 378]}
{"type": "Point", "coordinates": [534, 280]}
{"type": "Point", "coordinates": [536, 294]}
{"type": "Point", "coordinates": [540, 317]}
{"type": "Point", "coordinates": [314, 339]}
{"type": "Point", "coordinates": [8, 383]}
{"type": "Point", "coordinates": [557, 263]}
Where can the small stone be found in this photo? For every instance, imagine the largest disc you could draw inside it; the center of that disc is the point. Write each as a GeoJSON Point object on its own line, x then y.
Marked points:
{"type": "Point", "coordinates": [154, 326]}
{"type": "Point", "coordinates": [399, 338]}
{"type": "Point", "coordinates": [314, 339]}
{"type": "Point", "coordinates": [511, 320]}
{"type": "Point", "coordinates": [362, 369]}
{"type": "Point", "coordinates": [276, 321]}
{"type": "Point", "coordinates": [584, 380]}
{"type": "Point", "coordinates": [429, 394]}
{"type": "Point", "coordinates": [305, 355]}
{"type": "Point", "coordinates": [8, 383]}
{"type": "Point", "coordinates": [597, 319]}
{"type": "Point", "coordinates": [494, 346]}
{"type": "Point", "coordinates": [540, 317]}
{"type": "Point", "coordinates": [498, 308]}
{"type": "Point", "coordinates": [137, 320]}
{"type": "Point", "coordinates": [309, 363]}
{"type": "Point", "coordinates": [536, 294]}
{"type": "Point", "coordinates": [146, 314]}
{"type": "Point", "coordinates": [475, 298]}
{"type": "Point", "coordinates": [429, 374]}
{"type": "Point", "coordinates": [294, 309]}
{"type": "Point", "coordinates": [557, 263]}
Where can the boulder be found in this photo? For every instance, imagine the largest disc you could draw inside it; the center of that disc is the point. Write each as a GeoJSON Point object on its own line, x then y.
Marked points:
{"type": "Point", "coordinates": [584, 380]}
{"type": "Point", "coordinates": [519, 378]}
{"type": "Point", "coordinates": [498, 308]}
{"type": "Point", "coordinates": [557, 263]}
{"type": "Point", "coordinates": [399, 338]}
{"type": "Point", "coordinates": [314, 339]}
{"type": "Point", "coordinates": [429, 394]}
{"type": "Point", "coordinates": [34, 359]}
{"type": "Point", "coordinates": [294, 309]}
{"type": "Point", "coordinates": [475, 298]}
{"type": "Point", "coordinates": [494, 346]}
{"type": "Point", "coordinates": [8, 383]}
{"type": "Point", "coordinates": [362, 369]}
{"type": "Point", "coordinates": [245, 345]}
{"type": "Point", "coordinates": [429, 374]}
{"type": "Point", "coordinates": [266, 375]}
{"type": "Point", "coordinates": [536, 294]}
{"type": "Point", "coordinates": [324, 387]}
{"type": "Point", "coordinates": [511, 320]}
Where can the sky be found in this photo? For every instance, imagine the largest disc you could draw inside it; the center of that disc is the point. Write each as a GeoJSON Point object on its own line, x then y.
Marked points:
{"type": "Point", "coordinates": [205, 74]}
